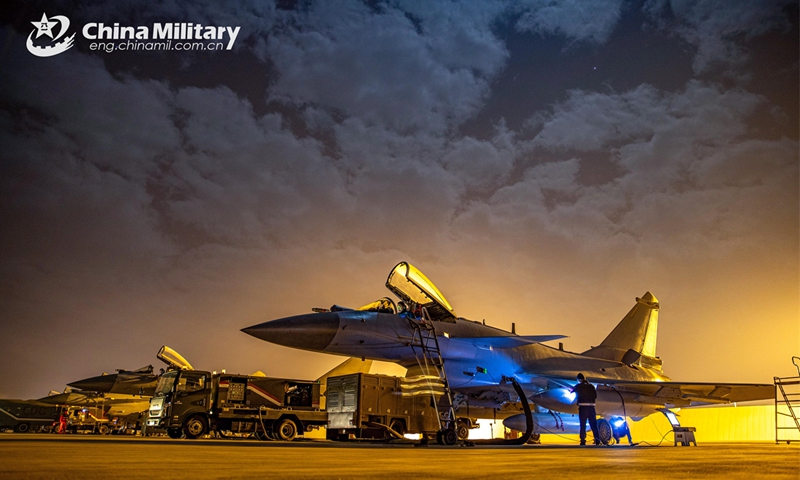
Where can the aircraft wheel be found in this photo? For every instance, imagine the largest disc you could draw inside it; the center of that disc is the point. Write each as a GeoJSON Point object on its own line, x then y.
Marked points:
{"type": "Point", "coordinates": [286, 430]}
{"type": "Point", "coordinates": [195, 427]}
{"type": "Point", "coordinates": [462, 430]}
{"type": "Point", "coordinates": [605, 431]}
{"type": "Point", "coordinates": [175, 433]}
{"type": "Point", "coordinates": [446, 437]}
{"type": "Point", "coordinates": [22, 427]}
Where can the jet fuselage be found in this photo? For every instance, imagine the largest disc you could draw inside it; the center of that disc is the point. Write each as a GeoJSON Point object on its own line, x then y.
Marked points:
{"type": "Point", "coordinates": [466, 346]}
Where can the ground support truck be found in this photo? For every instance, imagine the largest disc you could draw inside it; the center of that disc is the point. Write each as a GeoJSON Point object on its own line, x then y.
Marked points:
{"type": "Point", "coordinates": [27, 415]}
{"type": "Point", "coordinates": [86, 420]}
{"type": "Point", "coordinates": [372, 406]}
{"type": "Point", "coordinates": [192, 403]}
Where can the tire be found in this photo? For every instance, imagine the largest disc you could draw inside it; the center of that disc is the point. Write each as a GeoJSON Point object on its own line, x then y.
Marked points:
{"type": "Point", "coordinates": [195, 427]}
{"type": "Point", "coordinates": [175, 433]}
{"type": "Point", "coordinates": [286, 430]}
{"type": "Point", "coordinates": [462, 430]}
{"type": "Point", "coordinates": [449, 437]}
{"type": "Point", "coordinates": [605, 431]}
{"type": "Point", "coordinates": [103, 430]}
{"type": "Point", "coordinates": [22, 427]}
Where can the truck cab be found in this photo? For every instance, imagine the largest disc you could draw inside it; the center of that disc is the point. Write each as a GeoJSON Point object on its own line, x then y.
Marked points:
{"type": "Point", "coordinates": [180, 403]}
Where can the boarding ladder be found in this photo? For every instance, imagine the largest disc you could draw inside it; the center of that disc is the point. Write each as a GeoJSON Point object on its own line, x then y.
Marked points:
{"type": "Point", "coordinates": [430, 358]}
{"type": "Point", "coordinates": [787, 406]}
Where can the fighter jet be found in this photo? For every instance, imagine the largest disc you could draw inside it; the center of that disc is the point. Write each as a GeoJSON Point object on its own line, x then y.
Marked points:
{"type": "Point", "coordinates": [130, 382]}
{"type": "Point", "coordinates": [479, 360]}
{"type": "Point", "coordinates": [119, 394]}
{"type": "Point", "coordinates": [141, 382]}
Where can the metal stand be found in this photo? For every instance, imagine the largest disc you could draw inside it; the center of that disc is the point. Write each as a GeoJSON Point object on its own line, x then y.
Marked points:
{"type": "Point", "coordinates": [787, 405]}
{"type": "Point", "coordinates": [684, 435]}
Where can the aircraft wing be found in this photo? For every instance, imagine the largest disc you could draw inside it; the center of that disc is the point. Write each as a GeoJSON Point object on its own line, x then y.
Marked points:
{"type": "Point", "coordinates": [511, 341]}
{"type": "Point", "coordinates": [89, 399]}
{"type": "Point", "coordinates": [688, 394]}
{"type": "Point", "coordinates": [73, 398]}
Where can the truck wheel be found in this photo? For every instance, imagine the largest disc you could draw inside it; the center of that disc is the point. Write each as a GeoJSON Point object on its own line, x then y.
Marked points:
{"type": "Point", "coordinates": [605, 431]}
{"type": "Point", "coordinates": [175, 433]}
{"type": "Point", "coordinates": [22, 427]}
{"type": "Point", "coordinates": [103, 430]}
{"type": "Point", "coordinates": [195, 427]}
{"type": "Point", "coordinates": [286, 430]}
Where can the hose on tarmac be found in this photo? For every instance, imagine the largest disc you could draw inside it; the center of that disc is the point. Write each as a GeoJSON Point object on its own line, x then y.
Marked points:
{"type": "Point", "coordinates": [528, 421]}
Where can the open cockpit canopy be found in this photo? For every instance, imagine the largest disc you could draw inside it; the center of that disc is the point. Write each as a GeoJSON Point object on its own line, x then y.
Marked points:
{"type": "Point", "coordinates": [174, 359]}
{"type": "Point", "coordinates": [413, 287]}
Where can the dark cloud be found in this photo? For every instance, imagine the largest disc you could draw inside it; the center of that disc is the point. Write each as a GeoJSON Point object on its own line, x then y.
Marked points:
{"type": "Point", "coordinates": [580, 21]}
{"type": "Point", "coordinates": [383, 68]}
{"type": "Point", "coordinates": [713, 29]}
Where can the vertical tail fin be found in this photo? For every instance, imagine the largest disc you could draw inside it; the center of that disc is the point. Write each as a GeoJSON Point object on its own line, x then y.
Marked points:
{"type": "Point", "coordinates": [633, 340]}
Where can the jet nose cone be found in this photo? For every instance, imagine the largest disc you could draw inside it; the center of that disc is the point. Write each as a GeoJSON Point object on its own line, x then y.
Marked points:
{"type": "Point", "coordinates": [101, 383]}
{"type": "Point", "coordinates": [314, 331]}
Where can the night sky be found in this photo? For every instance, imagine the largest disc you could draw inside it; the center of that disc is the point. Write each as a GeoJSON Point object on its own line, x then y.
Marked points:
{"type": "Point", "coordinates": [544, 162]}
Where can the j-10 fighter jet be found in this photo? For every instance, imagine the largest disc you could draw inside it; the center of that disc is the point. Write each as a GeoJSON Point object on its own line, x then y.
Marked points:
{"type": "Point", "coordinates": [137, 382]}
{"type": "Point", "coordinates": [479, 361]}
{"type": "Point", "coordinates": [119, 394]}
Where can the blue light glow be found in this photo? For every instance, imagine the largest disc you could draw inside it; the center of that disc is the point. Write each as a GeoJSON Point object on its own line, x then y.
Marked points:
{"type": "Point", "coordinates": [569, 396]}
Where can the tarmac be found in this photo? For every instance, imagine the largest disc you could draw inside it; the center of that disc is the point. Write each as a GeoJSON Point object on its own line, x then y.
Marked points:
{"type": "Point", "coordinates": [50, 456]}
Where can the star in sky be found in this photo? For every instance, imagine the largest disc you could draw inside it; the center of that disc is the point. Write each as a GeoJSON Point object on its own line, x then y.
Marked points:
{"type": "Point", "coordinates": [45, 27]}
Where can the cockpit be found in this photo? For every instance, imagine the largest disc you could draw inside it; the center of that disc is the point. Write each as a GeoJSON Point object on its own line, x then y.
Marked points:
{"type": "Point", "coordinates": [415, 291]}
{"type": "Point", "coordinates": [381, 305]}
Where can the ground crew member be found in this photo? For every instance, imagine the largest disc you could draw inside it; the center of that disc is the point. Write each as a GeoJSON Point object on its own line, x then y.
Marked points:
{"type": "Point", "coordinates": [587, 396]}
{"type": "Point", "coordinates": [62, 422]}
{"type": "Point", "coordinates": [619, 428]}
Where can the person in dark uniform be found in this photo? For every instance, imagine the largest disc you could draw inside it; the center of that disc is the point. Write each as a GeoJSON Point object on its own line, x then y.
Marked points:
{"type": "Point", "coordinates": [587, 396]}
{"type": "Point", "coordinates": [619, 428]}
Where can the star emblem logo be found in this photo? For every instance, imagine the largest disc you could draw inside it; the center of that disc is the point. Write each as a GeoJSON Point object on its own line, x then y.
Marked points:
{"type": "Point", "coordinates": [46, 27]}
